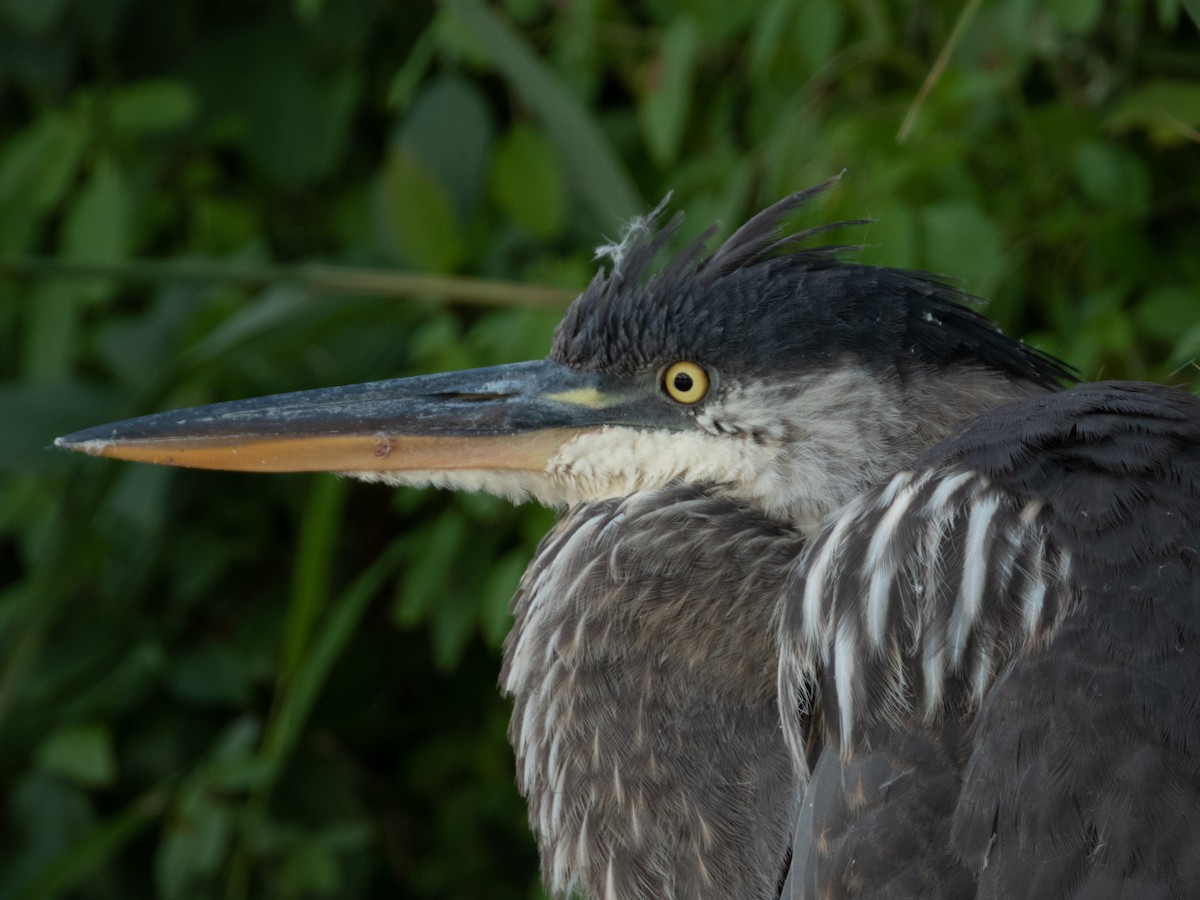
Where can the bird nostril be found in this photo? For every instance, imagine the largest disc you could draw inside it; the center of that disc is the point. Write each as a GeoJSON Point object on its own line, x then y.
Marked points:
{"type": "Point", "coordinates": [467, 397]}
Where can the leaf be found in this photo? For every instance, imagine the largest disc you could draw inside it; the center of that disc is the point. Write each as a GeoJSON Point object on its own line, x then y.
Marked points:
{"type": "Point", "coordinates": [291, 713]}
{"type": "Point", "coordinates": [309, 10]}
{"type": "Point", "coordinates": [208, 675]}
{"type": "Point", "coordinates": [309, 868]}
{"type": "Point", "coordinates": [527, 181]}
{"type": "Point", "coordinates": [1168, 13]}
{"type": "Point", "coordinates": [315, 554]}
{"type": "Point", "coordinates": [1168, 312]}
{"type": "Point", "coordinates": [51, 335]}
{"type": "Point", "coordinates": [593, 166]}
{"type": "Point", "coordinates": [406, 82]}
{"type": "Point", "coordinates": [891, 240]}
{"type": "Point", "coordinates": [91, 851]}
{"type": "Point", "coordinates": [817, 31]}
{"type": "Point", "coordinates": [80, 753]}
{"type": "Point", "coordinates": [148, 107]}
{"type": "Point", "coordinates": [499, 588]}
{"type": "Point", "coordinates": [1110, 175]}
{"type": "Point", "coordinates": [1192, 8]}
{"type": "Point", "coordinates": [424, 582]}
{"type": "Point", "coordinates": [36, 17]}
{"type": "Point", "coordinates": [419, 214]}
{"type": "Point", "coordinates": [450, 130]}
{"type": "Point", "coordinates": [37, 165]}
{"type": "Point", "coordinates": [665, 105]}
{"type": "Point", "coordinates": [290, 115]}
{"type": "Point", "coordinates": [194, 845]}
{"type": "Point", "coordinates": [98, 227]}
{"type": "Point", "coordinates": [1167, 109]}
{"type": "Point", "coordinates": [1077, 16]}
{"type": "Point", "coordinates": [961, 241]}
{"type": "Point", "coordinates": [138, 502]}
{"type": "Point", "coordinates": [767, 35]}
{"type": "Point", "coordinates": [268, 312]}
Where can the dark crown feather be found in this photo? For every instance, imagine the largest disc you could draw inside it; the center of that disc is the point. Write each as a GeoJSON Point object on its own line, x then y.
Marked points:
{"type": "Point", "coordinates": [762, 302]}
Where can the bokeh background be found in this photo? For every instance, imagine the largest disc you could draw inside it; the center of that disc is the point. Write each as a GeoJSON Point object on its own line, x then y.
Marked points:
{"type": "Point", "coordinates": [284, 686]}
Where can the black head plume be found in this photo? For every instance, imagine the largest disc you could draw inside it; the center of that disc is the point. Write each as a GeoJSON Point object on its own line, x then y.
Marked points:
{"type": "Point", "coordinates": [764, 302]}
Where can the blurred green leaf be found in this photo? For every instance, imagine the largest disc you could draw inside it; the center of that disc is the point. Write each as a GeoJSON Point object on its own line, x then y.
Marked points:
{"type": "Point", "coordinates": [98, 227]}
{"type": "Point", "coordinates": [892, 239]}
{"type": "Point", "coordinates": [36, 168]}
{"type": "Point", "coordinates": [1193, 10]}
{"type": "Point", "coordinates": [959, 239]}
{"type": "Point", "coordinates": [406, 82]}
{"type": "Point", "coordinates": [34, 16]}
{"type": "Point", "coordinates": [418, 211]}
{"type": "Point", "coordinates": [267, 313]}
{"type": "Point", "coordinates": [290, 115]}
{"type": "Point", "coordinates": [594, 168]}
{"type": "Point", "coordinates": [449, 130]}
{"type": "Point", "coordinates": [424, 582]}
{"type": "Point", "coordinates": [209, 675]}
{"type": "Point", "coordinates": [152, 106]}
{"type": "Point", "coordinates": [51, 336]}
{"type": "Point", "coordinates": [80, 753]}
{"type": "Point", "coordinates": [1077, 15]}
{"type": "Point", "coordinates": [1111, 176]}
{"type": "Point", "coordinates": [817, 31]}
{"type": "Point", "coordinates": [92, 850]}
{"type": "Point", "coordinates": [527, 182]}
{"type": "Point", "coordinates": [309, 10]}
{"type": "Point", "coordinates": [768, 34]}
{"type": "Point", "coordinates": [1165, 311]}
{"type": "Point", "coordinates": [501, 584]}
{"type": "Point", "coordinates": [1164, 108]}
{"type": "Point", "coordinates": [309, 868]}
{"type": "Point", "coordinates": [315, 554]}
{"type": "Point", "coordinates": [195, 843]}
{"type": "Point", "coordinates": [667, 100]}
{"type": "Point", "coordinates": [49, 815]}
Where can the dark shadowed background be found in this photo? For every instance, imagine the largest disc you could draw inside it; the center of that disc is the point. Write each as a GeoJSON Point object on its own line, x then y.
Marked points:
{"type": "Point", "coordinates": [246, 686]}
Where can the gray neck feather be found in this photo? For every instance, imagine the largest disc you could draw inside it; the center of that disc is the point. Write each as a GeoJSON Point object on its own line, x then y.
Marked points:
{"type": "Point", "coordinates": [643, 644]}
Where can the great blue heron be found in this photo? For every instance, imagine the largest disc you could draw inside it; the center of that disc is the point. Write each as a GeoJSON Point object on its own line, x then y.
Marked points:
{"type": "Point", "coordinates": [799, 486]}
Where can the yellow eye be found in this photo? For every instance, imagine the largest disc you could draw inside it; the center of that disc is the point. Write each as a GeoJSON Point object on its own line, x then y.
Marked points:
{"type": "Point", "coordinates": [686, 382]}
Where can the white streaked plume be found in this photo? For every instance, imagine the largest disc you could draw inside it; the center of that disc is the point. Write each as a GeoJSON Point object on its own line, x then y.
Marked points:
{"type": "Point", "coordinates": [1033, 600]}
{"type": "Point", "coordinates": [976, 572]}
{"type": "Point", "coordinates": [845, 657]}
{"type": "Point", "coordinates": [975, 568]}
{"type": "Point", "coordinates": [880, 564]}
{"type": "Point", "coordinates": [945, 493]}
{"type": "Point", "coordinates": [813, 609]}
{"type": "Point", "coordinates": [933, 669]}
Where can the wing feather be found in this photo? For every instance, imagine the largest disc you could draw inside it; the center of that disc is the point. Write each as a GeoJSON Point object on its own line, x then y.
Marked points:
{"type": "Point", "coordinates": [1040, 662]}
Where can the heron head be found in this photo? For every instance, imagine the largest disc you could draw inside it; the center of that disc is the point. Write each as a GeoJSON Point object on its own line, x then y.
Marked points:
{"type": "Point", "coordinates": [778, 371]}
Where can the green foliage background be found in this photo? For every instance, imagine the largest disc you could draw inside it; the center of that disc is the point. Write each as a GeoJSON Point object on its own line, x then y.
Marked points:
{"type": "Point", "coordinates": [236, 686]}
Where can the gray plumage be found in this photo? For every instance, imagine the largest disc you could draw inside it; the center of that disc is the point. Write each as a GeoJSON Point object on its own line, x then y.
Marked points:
{"type": "Point", "coordinates": [1060, 756]}
{"type": "Point", "coordinates": [644, 633]}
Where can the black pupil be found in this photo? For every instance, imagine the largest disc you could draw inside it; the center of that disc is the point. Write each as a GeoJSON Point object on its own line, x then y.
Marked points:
{"type": "Point", "coordinates": [683, 382]}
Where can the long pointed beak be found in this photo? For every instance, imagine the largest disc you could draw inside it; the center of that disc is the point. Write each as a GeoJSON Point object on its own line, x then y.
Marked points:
{"type": "Point", "coordinates": [510, 417]}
